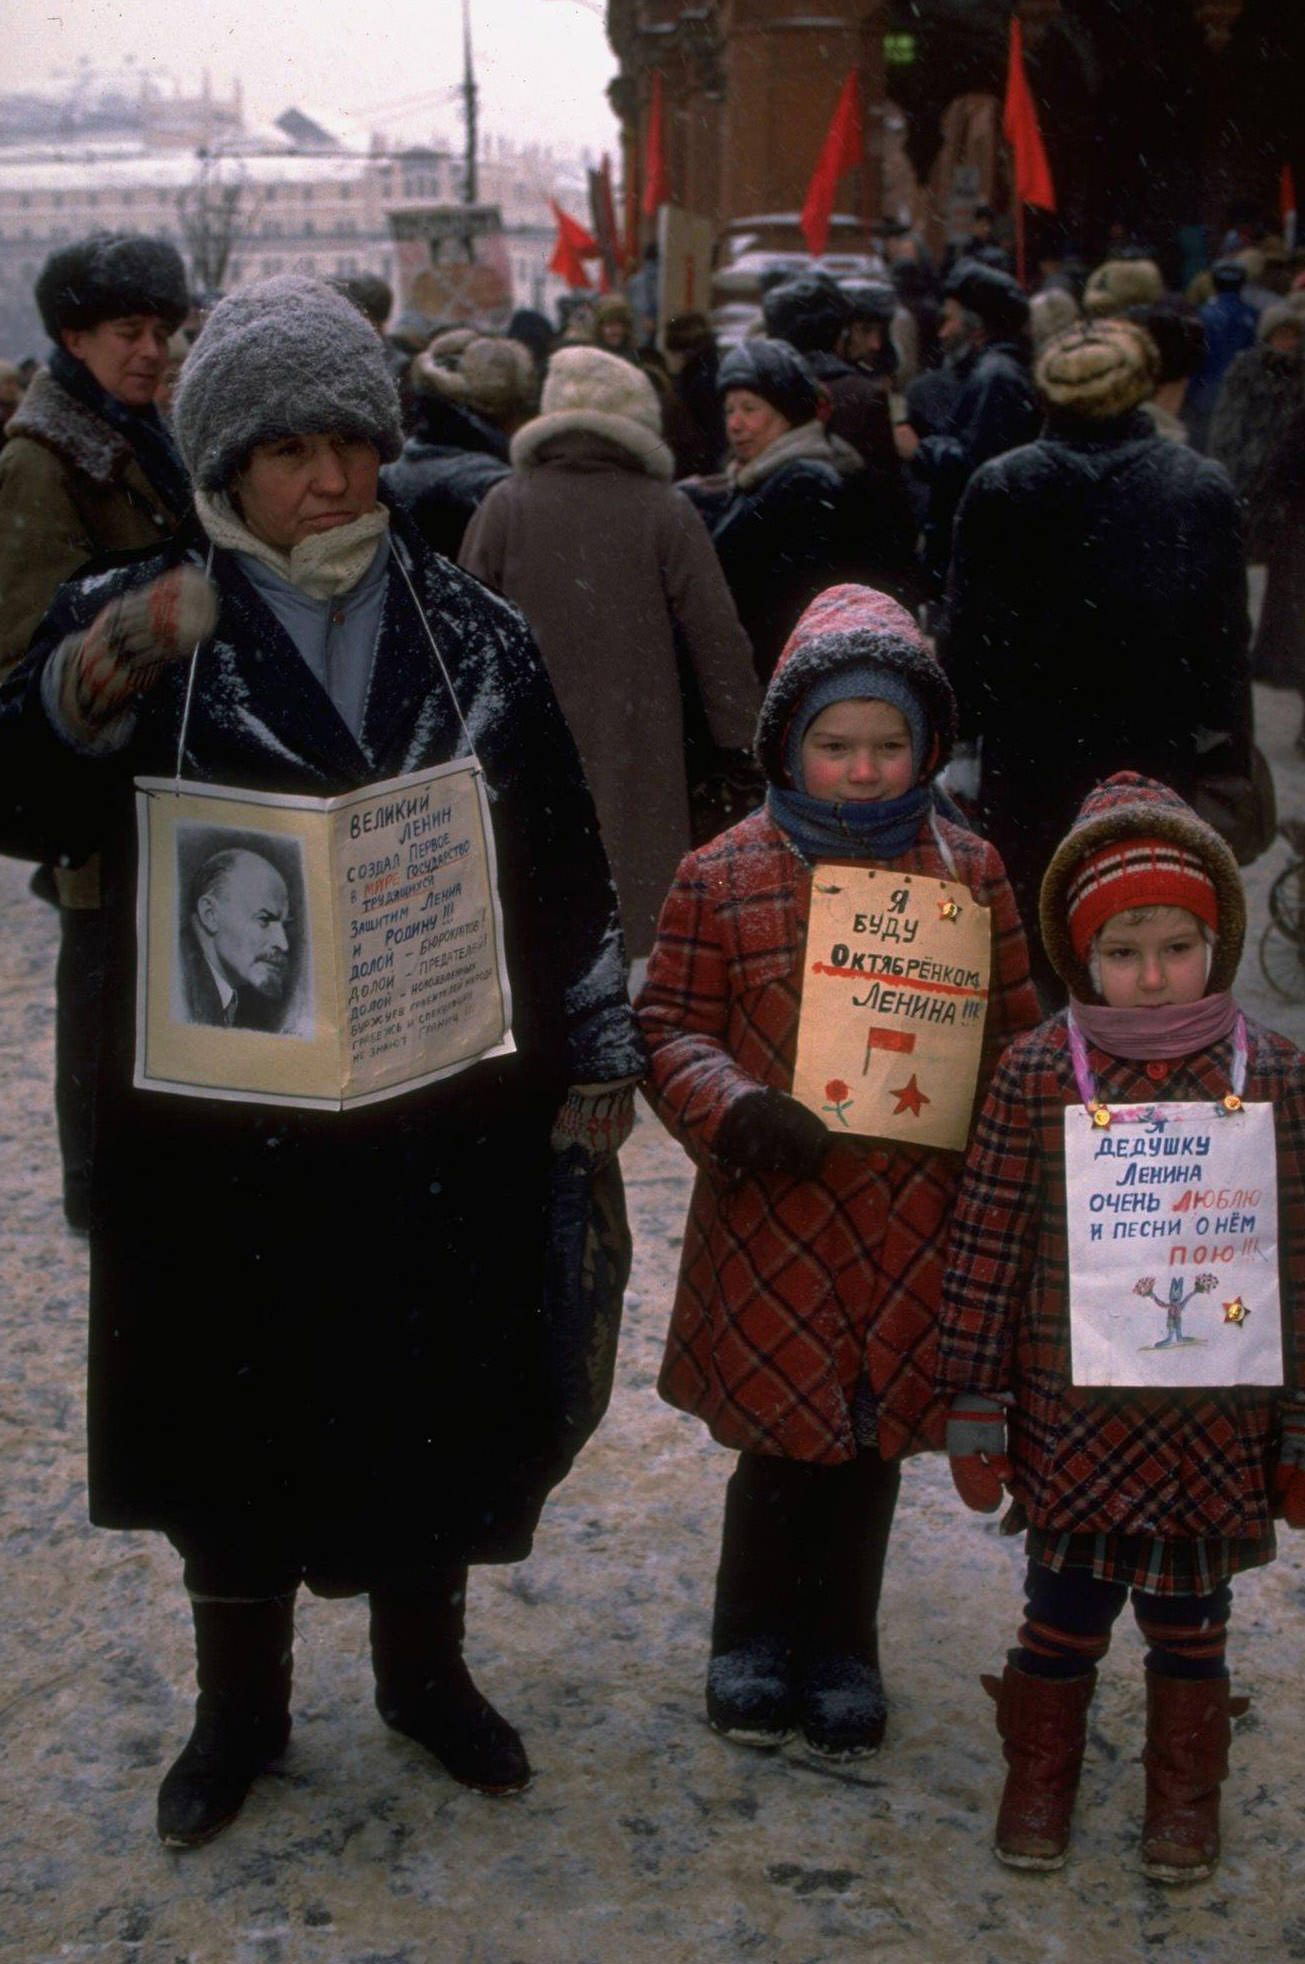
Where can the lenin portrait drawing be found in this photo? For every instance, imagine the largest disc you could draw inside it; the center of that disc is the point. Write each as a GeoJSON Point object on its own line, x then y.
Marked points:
{"type": "Point", "coordinates": [242, 932]}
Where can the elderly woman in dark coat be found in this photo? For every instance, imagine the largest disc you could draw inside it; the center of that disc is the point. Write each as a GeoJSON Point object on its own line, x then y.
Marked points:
{"type": "Point", "coordinates": [315, 1344]}
{"type": "Point", "coordinates": [784, 519]}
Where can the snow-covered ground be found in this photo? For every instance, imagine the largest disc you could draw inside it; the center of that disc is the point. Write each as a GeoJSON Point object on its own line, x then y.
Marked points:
{"type": "Point", "coordinates": [645, 1839]}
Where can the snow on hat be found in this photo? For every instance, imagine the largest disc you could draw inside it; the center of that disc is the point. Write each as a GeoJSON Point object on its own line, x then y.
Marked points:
{"type": "Point", "coordinates": [775, 372]}
{"type": "Point", "coordinates": [999, 301]}
{"type": "Point", "coordinates": [108, 276]}
{"type": "Point", "coordinates": [871, 300]}
{"type": "Point", "coordinates": [1135, 843]}
{"type": "Point", "coordinates": [492, 375]}
{"type": "Point", "coordinates": [855, 641]}
{"type": "Point", "coordinates": [289, 356]}
{"type": "Point", "coordinates": [1121, 283]}
{"type": "Point", "coordinates": [809, 312]}
{"type": "Point", "coordinates": [601, 394]}
{"type": "Point", "coordinates": [1100, 369]}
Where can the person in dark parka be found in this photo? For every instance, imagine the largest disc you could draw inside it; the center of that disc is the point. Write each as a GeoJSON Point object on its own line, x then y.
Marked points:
{"type": "Point", "coordinates": [815, 316]}
{"type": "Point", "coordinates": [316, 1346]}
{"type": "Point", "coordinates": [996, 407]}
{"type": "Point", "coordinates": [783, 519]}
{"type": "Point", "coordinates": [1096, 610]}
{"type": "Point", "coordinates": [468, 405]}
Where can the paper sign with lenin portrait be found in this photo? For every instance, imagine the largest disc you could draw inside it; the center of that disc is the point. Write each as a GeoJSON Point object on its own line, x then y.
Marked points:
{"type": "Point", "coordinates": [894, 1001]}
{"type": "Point", "coordinates": [317, 952]}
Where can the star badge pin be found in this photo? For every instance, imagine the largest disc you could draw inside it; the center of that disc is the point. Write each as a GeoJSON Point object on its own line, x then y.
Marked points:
{"type": "Point", "coordinates": [949, 910]}
{"type": "Point", "coordinates": [909, 1097]}
{"type": "Point", "coordinates": [1235, 1311]}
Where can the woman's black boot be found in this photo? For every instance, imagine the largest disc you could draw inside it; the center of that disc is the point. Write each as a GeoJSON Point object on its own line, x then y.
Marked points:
{"type": "Point", "coordinates": [243, 1666]}
{"type": "Point", "coordinates": [424, 1689]}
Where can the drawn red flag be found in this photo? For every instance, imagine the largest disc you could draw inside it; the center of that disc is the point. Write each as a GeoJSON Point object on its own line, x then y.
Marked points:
{"type": "Point", "coordinates": [656, 177]}
{"type": "Point", "coordinates": [573, 246]}
{"type": "Point", "coordinates": [1033, 185]}
{"type": "Point", "coordinates": [844, 149]}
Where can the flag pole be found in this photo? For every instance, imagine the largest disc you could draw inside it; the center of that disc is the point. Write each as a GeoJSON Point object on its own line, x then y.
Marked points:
{"type": "Point", "coordinates": [1020, 267]}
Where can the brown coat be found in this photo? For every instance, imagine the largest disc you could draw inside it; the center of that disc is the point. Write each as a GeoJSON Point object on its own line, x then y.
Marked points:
{"type": "Point", "coordinates": [609, 567]}
{"type": "Point", "coordinates": [70, 487]}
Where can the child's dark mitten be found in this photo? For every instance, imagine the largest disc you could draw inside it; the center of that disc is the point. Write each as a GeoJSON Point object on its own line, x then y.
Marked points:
{"type": "Point", "coordinates": [766, 1131]}
{"type": "Point", "coordinates": [976, 1450]}
{"type": "Point", "coordinates": [1289, 1474]}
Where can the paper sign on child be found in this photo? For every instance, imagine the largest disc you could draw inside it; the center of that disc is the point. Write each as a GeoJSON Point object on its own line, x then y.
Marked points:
{"type": "Point", "coordinates": [894, 999]}
{"type": "Point", "coordinates": [1173, 1245]}
{"type": "Point", "coordinates": [317, 951]}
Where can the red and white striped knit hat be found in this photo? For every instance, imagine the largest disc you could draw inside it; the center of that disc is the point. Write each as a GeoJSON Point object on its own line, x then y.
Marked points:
{"type": "Point", "coordinates": [1137, 873]}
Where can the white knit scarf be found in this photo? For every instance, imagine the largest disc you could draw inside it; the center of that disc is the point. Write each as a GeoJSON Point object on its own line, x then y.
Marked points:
{"type": "Point", "coordinates": [321, 566]}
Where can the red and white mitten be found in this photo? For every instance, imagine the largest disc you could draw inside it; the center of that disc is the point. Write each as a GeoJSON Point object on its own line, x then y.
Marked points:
{"type": "Point", "coordinates": [976, 1449]}
{"type": "Point", "coordinates": [598, 1117]}
{"type": "Point", "coordinates": [128, 645]}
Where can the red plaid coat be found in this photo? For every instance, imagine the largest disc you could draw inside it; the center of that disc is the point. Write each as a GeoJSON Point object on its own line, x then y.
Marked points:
{"type": "Point", "coordinates": [1169, 1464]}
{"type": "Point", "coordinates": [794, 1292]}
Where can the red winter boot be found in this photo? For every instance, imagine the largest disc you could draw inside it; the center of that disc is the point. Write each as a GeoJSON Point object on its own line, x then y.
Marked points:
{"type": "Point", "coordinates": [1043, 1726]}
{"type": "Point", "coordinates": [1188, 1731]}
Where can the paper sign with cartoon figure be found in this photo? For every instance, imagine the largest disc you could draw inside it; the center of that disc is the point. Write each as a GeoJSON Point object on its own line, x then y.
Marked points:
{"type": "Point", "coordinates": [317, 951]}
{"type": "Point", "coordinates": [894, 1000]}
{"type": "Point", "coordinates": [1173, 1245]}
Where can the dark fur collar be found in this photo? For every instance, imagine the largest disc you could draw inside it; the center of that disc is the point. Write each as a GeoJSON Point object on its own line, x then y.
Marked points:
{"type": "Point", "coordinates": [50, 416]}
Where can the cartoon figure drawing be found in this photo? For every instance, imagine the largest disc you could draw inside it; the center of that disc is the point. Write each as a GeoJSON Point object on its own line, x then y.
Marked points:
{"type": "Point", "coordinates": [1174, 1307]}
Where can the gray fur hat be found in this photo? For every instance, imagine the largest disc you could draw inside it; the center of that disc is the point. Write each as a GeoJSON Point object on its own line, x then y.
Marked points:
{"type": "Point", "coordinates": [288, 356]}
{"type": "Point", "coordinates": [108, 276]}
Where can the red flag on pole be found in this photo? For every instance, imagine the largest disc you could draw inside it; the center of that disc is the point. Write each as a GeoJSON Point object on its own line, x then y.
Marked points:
{"type": "Point", "coordinates": [656, 178]}
{"type": "Point", "coordinates": [1033, 185]}
{"type": "Point", "coordinates": [1287, 206]}
{"type": "Point", "coordinates": [844, 149]}
{"type": "Point", "coordinates": [573, 246]}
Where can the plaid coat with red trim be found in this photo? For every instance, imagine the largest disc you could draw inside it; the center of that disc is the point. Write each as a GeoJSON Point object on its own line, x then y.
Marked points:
{"type": "Point", "coordinates": [794, 1293]}
{"type": "Point", "coordinates": [1163, 1463]}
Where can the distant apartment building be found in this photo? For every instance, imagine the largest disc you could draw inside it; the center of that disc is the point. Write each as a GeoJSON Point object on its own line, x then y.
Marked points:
{"type": "Point", "coordinates": [293, 198]}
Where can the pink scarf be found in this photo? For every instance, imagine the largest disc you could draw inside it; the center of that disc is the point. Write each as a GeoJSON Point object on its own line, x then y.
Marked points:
{"type": "Point", "coordinates": [1148, 1035]}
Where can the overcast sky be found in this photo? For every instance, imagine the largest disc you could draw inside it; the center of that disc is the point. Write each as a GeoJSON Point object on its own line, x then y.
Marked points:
{"type": "Point", "coordinates": [542, 65]}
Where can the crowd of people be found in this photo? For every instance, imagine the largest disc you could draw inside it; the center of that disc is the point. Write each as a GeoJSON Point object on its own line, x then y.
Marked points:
{"type": "Point", "coordinates": [930, 588]}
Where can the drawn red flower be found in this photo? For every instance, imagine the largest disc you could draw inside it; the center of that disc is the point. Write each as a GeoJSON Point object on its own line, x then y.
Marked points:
{"type": "Point", "coordinates": [837, 1092]}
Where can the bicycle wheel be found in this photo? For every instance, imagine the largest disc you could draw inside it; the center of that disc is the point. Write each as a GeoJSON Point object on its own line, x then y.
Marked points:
{"type": "Point", "coordinates": [1282, 963]}
{"type": "Point", "coordinates": [1287, 900]}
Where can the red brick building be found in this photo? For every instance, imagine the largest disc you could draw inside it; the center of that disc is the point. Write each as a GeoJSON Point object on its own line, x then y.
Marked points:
{"type": "Point", "coordinates": [1158, 115]}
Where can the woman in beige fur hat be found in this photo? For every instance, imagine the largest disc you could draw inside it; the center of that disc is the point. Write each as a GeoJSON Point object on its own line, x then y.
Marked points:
{"type": "Point", "coordinates": [609, 564]}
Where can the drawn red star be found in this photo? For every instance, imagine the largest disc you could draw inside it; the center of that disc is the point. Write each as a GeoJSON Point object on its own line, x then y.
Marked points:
{"type": "Point", "coordinates": [909, 1097]}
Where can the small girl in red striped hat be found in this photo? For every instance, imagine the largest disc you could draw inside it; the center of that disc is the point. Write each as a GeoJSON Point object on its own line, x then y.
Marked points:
{"type": "Point", "coordinates": [1147, 1455]}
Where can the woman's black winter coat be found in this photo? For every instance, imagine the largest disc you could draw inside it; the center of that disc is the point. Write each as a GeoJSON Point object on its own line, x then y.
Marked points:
{"type": "Point", "coordinates": [318, 1333]}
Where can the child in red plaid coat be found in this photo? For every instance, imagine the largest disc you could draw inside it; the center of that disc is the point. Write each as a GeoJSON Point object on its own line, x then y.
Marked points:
{"type": "Point", "coordinates": [803, 1326]}
{"type": "Point", "coordinates": [1164, 1493]}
